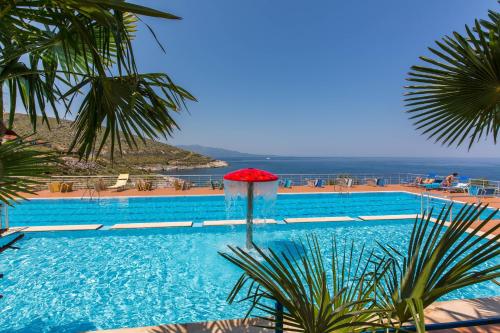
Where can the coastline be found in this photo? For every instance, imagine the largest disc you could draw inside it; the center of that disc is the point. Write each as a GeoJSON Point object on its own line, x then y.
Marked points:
{"type": "Point", "coordinates": [158, 168]}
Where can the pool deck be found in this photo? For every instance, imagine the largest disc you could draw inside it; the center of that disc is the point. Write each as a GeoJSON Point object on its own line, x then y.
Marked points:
{"type": "Point", "coordinates": [439, 312]}
{"type": "Point", "coordinates": [493, 202]}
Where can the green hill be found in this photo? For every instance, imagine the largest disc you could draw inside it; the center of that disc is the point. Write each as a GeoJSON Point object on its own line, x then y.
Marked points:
{"type": "Point", "coordinates": [151, 157]}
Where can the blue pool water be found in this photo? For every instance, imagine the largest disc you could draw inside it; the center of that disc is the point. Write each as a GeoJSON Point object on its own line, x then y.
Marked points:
{"type": "Point", "coordinates": [201, 208]}
{"type": "Point", "coordinates": [77, 281]}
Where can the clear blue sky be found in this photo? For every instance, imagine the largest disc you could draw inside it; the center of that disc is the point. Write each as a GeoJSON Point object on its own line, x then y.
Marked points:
{"type": "Point", "coordinates": [320, 78]}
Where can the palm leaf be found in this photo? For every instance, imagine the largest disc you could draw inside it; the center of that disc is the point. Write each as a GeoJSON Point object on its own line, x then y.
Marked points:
{"type": "Point", "coordinates": [439, 260]}
{"type": "Point", "coordinates": [51, 52]}
{"type": "Point", "coordinates": [454, 97]}
{"type": "Point", "coordinates": [312, 300]}
{"type": "Point", "coordinates": [20, 166]}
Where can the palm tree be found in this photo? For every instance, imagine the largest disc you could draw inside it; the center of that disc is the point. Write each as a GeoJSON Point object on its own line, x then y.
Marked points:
{"type": "Point", "coordinates": [439, 260]}
{"type": "Point", "coordinates": [455, 97]}
{"type": "Point", "coordinates": [387, 287]}
{"type": "Point", "coordinates": [315, 298]}
{"type": "Point", "coordinates": [77, 56]}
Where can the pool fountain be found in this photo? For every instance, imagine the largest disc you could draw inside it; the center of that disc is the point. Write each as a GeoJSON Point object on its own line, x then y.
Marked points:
{"type": "Point", "coordinates": [250, 184]}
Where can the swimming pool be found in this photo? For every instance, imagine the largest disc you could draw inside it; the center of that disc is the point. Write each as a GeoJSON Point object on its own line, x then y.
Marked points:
{"type": "Point", "coordinates": [86, 280]}
{"type": "Point", "coordinates": [109, 211]}
{"type": "Point", "coordinates": [77, 281]}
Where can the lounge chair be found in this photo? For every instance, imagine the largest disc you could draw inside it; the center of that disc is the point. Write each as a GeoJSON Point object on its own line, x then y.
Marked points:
{"type": "Point", "coordinates": [177, 185]}
{"type": "Point", "coordinates": [67, 187]}
{"type": "Point", "coordinates": [143, 185]}
{"type": "Point", "coordinates": [374, 181]}
{"type": "Point", "coordinates": [287, 183]}
{"type": "Point", "coordinates": [435, 185]}
{"type": "Point", "coordinates": [460, 186]}
{"type": "Point", "coordinates": [55, 187]}
{"type": "Point", "coordinates": [215, 185]}
{"type": "Point", "coordinates": [481, 191]}
{"type": "Point", "coordinates": [186, 185]}
{"type": "Point", "coordinates": [121, 182]}
{"type": "Point", "coordinates": [487, 192]}
{"type": "Point", "coordinates": [318, 183]}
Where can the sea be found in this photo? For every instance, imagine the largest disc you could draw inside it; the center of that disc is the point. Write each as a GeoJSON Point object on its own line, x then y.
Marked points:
{"type": "Point", "coordinates": [488, 168]}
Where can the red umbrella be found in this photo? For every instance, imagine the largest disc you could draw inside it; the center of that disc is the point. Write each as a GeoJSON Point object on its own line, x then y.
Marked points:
{"type": "Point", "coordinates": [250, 176]}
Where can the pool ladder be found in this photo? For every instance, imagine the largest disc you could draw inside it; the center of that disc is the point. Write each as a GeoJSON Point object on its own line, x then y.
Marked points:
{"type": "Point", "coordinates": [425, 205]}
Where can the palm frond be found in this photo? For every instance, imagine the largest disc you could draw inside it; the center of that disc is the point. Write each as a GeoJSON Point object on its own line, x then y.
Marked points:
{"type": "Point", "coordinates": [313, 300]}
{"type": "Point", "coordinates": [440, 258]}
{"type": "Point", "coordinates": [51, 52]}
{"type": "Point", "coordinates": [135, 105]}
{"type": "Point", "coordinates": [454, 97]}
{"type": "Point", "coordinates": [20, 166]}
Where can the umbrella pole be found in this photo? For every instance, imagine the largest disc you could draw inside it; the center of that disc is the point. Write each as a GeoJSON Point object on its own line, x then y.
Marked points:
{"type": "Point", "coordinates": [250, 216]}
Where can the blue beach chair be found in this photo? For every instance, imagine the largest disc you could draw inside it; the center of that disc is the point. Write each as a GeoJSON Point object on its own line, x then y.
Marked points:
{"type": "Point", "coordinates": [318, 183]}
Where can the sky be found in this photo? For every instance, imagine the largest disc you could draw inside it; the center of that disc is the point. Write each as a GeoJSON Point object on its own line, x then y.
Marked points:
{"type": "Point", "coordinates": [302, 78]}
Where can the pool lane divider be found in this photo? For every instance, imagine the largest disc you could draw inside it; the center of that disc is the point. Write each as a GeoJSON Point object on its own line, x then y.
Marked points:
{"type": "Point", "coordinates": [319, 219]}
{"type": "Point", "coordinates": [152, 225]}
{"type": "Point", "coordinates": [387, 217]}
{"type": "Point", "coordinates": [213, 223]}
{"type": "Point", "coordinates": [74, 227]}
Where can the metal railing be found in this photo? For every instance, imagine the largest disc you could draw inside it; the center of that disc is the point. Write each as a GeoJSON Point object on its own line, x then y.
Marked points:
{"type": "Point", "coordinates": [166, 181]}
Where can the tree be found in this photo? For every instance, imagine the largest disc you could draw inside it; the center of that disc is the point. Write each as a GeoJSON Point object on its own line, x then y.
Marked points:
{"type": "Point", "coordinates": [384, 288]}
{"type": "Point", "coordinates": [77, 56]}
{"type": "Point", "coordinates": [455, 97]}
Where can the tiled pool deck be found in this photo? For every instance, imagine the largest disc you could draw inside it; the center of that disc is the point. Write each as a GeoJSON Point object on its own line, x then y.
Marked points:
{"type": "Point", "coordinates": [439, 312]}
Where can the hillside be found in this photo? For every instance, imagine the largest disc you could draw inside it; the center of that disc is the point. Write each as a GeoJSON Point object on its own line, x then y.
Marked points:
{"type": "Point", "coordinates": [219, 152]}
{"type": "Point", "coordinates": [151, 157]}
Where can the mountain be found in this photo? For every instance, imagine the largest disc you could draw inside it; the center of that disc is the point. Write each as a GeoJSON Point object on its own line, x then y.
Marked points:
{"type": "Point", "coordinates": [219, 153]}
{"type": "Point", "coordinates": [151, 157]}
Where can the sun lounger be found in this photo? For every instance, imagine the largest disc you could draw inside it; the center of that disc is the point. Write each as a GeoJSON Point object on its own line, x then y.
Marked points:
{"type": "Point", "coordinates": [287, 183]}
{"type": "Point", "coordinates": [318, 183]}
{"type": "Point", "coordinates": [215, 185]}
{"type": "Point", "coordinates": [67, 187]}
{"type": "Point", "coordinates": [144, 185]}
{"type": "Point", "coordinates": [55, 187]}
{"type": "Point", "coordinates": [481, 191]}
{"type": "Point", "coordinates": [374, 181]}
{"type": "Point", "coordinates": [121, 182]}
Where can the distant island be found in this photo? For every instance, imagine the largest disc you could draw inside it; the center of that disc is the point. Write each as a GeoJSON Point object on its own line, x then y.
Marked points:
{"type": "Point", "coordinates": [151, 157]}
{"type": "Point", "coordinates": [220, 153]}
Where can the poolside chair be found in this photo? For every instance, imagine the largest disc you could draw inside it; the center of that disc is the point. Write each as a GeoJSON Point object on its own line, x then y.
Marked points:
{"type": "Point", "coordinates": [177, 184]}
{"type": "Point", "coordinates": [55, 187]}
{"type": "Point", "coordinates": [487, 192]}
{"type": "Point", "coordinates": [186, 185]}
{"type": "Point", "coordinates": [435, 185]}
{"type": "Point", "coordinates": [143, 185]}
{"type": "Point", "coordinates": [216, 185]}
{"type": "Point", "coordinates": [67, 187]}
{"type": "Point", "coordinates": [481, 191]}
{"type": "Point", "coordinates": [121, 182]}
{"type": "Point", "coordinates": [374, 182]}
{"type": "Point", "coordinates": [460, 186]}
{"type": "Point", "coordinates": [287, 183]}
{"type": "Point", "coordinates": [318, 183]}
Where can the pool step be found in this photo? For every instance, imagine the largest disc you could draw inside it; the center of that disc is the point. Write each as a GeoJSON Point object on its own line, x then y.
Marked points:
{"type": "Point", "coordinates": [319, 219]}
{"type": "Point", "coordinates": [152, 225]}
{"type": "Point", "coordinates": [237, 222]}
{"type": "Point", "coordinates": [388, 217]}
{"type": "Point", "coordinates": [74, 227]}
